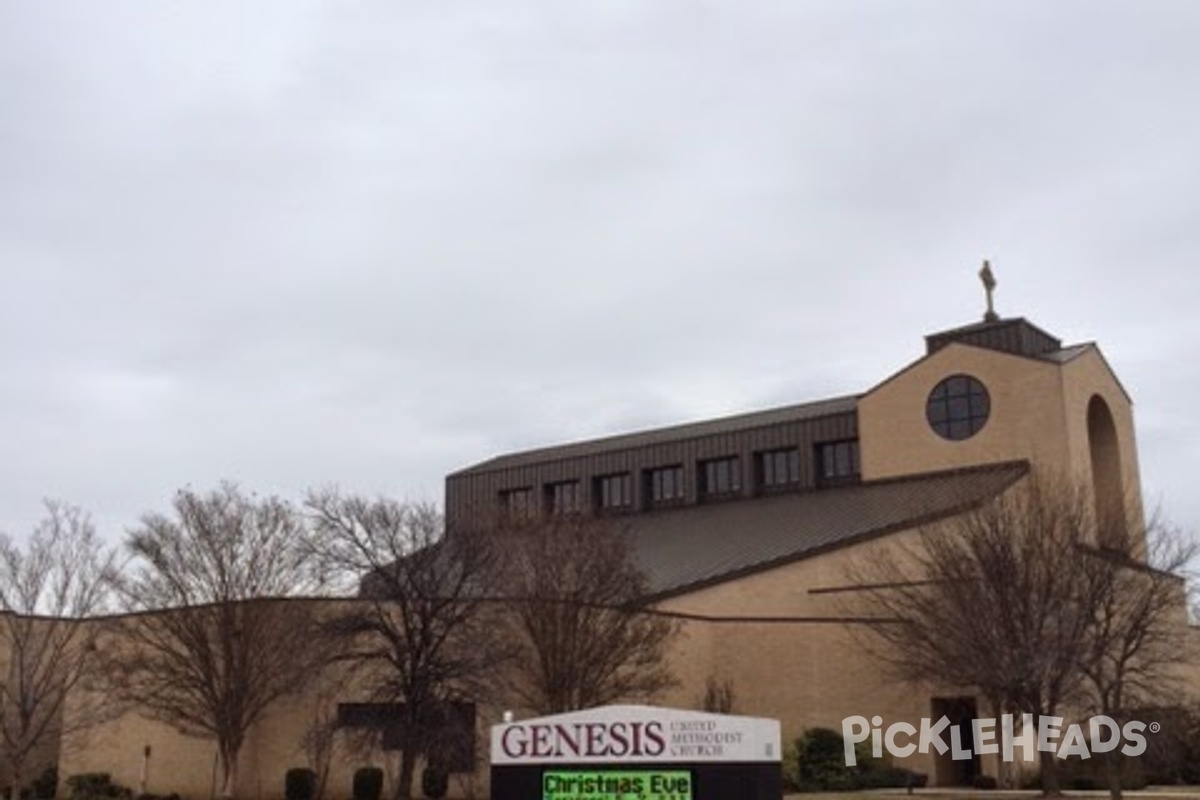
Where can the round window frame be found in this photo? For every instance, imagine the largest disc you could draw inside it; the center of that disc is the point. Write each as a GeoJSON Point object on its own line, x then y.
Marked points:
{"type": "Point", "coordinates": [939, 413]}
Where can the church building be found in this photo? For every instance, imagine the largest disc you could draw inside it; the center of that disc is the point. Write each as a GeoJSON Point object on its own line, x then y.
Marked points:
{"type": "Point", "coordinates": [745, 527]}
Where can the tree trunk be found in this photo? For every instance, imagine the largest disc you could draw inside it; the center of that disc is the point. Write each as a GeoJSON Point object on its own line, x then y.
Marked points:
{"type": "Point", "coordinates": [229, 771]}
{"type": "Point", "coordinates": [412, 744]}
{"type": "Point", "coordinates": [1051, 783]}
{"type": "Point", "coordinates": [408, 768]}
{"type": "Point", "coordinates": [1112, 770]}
{"type": "Point", "coordinates": [18, 772]}
{"type": "Point", "coordinates": [1002, 766]}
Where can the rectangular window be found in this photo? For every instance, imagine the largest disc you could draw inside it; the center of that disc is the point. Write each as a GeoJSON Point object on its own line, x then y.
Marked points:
{"type": "Point", "coordinates": [563, 497]}
{"type": "Point", "coordinates": [518, 502]}
{"type": "Point", "coordinates": [614, 492]}
{"type": "Point", "coordinates": [779, 468]}
{"type": "Point", "coordinates": [720, 476]}
{"type": "Point", "coordinates": [837, 462]}
{"type": "Point", "coordinates": [665, 485]}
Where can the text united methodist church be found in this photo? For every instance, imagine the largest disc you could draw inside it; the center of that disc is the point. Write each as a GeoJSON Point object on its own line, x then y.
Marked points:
{"type": "Point", "coordinates": [746, 527]}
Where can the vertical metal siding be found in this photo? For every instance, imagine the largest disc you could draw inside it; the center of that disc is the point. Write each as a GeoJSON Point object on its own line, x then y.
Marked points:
{"type": "Point", "coordinates": [472, 495]}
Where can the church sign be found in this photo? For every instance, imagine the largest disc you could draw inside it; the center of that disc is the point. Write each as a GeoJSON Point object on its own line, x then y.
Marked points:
{"type": "Point", "coordinates": [636, 753]}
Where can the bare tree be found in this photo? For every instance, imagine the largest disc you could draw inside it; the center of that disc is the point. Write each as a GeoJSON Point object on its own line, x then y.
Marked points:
{"type": "Point", "coordinates": [1132, 657]}
{"type": "Point", "coordinates": [576, 600]}
{"type": "Point", "coordinates": [50, 591]}
{"type": "Point", "coordinates": [1017, 599]}
{"type": "Point", "coordinates": [421, 632]}
{"type": "Point", "coordinates": [323, 730]}
{"type": "Point", "coordinates": [317, 746]}
{"type": "Point", "coordinates": [225, 631]}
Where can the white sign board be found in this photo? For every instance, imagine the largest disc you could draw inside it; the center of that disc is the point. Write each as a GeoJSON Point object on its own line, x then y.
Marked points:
{"type": "Point", "coordinates": [623, 734]}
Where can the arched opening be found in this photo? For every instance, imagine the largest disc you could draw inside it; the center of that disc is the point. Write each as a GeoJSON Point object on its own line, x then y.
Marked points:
{"type": "Point", "coordinates": [1108, 486]}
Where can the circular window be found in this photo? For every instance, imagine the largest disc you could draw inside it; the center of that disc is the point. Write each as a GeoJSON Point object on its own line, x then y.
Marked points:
{"type": "Point", "coordinates": [958, 407]}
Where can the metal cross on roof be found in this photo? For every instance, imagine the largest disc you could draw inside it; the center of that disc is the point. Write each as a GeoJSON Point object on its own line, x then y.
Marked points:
{"type": "Point", "coordinates": [989, 286]}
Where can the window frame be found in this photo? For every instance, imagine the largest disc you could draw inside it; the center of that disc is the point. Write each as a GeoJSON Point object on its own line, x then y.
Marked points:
{"type": "Point", "coordinates": [768, 463]}
{"type": "Point", "coordinates": [958, 407]}
{"type": "Point", "coordinates": [525, 509]}
{"type": "Point", "coordinates": [602, 484]}
{"type": "Point", "coordinates": [555, 493]}
{"type": "Point", "coordinates": [725, 470]}
{"type": "Point", "coordinates": [838, 462]}
{"type": "Point", "coordinates": [655, 482]}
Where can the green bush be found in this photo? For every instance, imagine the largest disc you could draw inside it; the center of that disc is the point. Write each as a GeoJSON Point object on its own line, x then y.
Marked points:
{"type": "Point", "coordinates": [818, 764]}
{"type": "Point", "coordinates": [435, 782]}
{"type": "Point", "coordinates": [96, 786]}
{"type": "Point", "coordinates": [45, 786]}
{"type": "Point", "coordinates": [368, 783]}
{"type": "Point", "coordinates": [300, 783]}
{"type": "Point", "coordinates": [985, 782]}
{"type": "Point", "coordinates": [820, 758]}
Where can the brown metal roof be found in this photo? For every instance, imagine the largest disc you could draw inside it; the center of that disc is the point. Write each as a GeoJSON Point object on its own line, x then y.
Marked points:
{"type": "Point", "coordinates": [1015, 335]}
{"type": "Point", "coordinates": [986, 325]}
{"type": "Point", "coordinates": [738, 422]}
{"type": "Point", "coordinates": [696, 546]}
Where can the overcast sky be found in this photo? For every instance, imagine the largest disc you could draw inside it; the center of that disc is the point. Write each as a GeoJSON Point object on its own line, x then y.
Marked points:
{"type": "Point", "coordinates": [294, 243]}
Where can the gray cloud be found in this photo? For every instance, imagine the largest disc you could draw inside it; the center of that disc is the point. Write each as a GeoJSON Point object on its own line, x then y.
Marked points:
{"type": "Point", "coordinates": [291, 243]}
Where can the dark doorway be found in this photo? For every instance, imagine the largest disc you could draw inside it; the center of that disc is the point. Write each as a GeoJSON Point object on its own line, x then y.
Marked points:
{"type": "Point", "coordinates": [960, 711]}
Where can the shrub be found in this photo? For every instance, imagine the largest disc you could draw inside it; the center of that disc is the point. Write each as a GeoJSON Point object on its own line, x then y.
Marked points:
{"type": "Point", "coordinates": [96, 786]}
{"type": "Point", "coordinates": [985, 782]}
{"type": "Point", "coordinates": [435, 782]}
{"type": "Point", "coordinates": [818, 764]}
{"type": "Point", "coordinates": [368, 783]}
{"type": "Point", "coordinates": [820, 757]}
{"type": "Point", "coordinates": [45, 786]}
{"type": "Point", "coordinates": [300, 783]}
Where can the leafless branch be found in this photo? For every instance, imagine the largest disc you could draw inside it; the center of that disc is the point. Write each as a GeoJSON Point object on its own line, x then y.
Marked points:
{"type": "Point", "coordinates": [575, 599]}
{"type": "Point", "coordinates": [422, 631]}
{"type": "Point", "coordinates": [217, 631]}
{"type": "Point", "coordinates": [1036, 601]}
{"type": "Point", "coordinates": [50, 592]}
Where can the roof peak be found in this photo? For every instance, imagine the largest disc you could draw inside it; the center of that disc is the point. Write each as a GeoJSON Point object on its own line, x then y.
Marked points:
{"type": "Point", "coordinates": [1012, 335]}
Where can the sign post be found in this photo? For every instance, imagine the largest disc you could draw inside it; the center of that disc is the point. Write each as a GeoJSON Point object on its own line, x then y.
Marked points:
{"type": "Point", "coordinates": [636, 753]}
